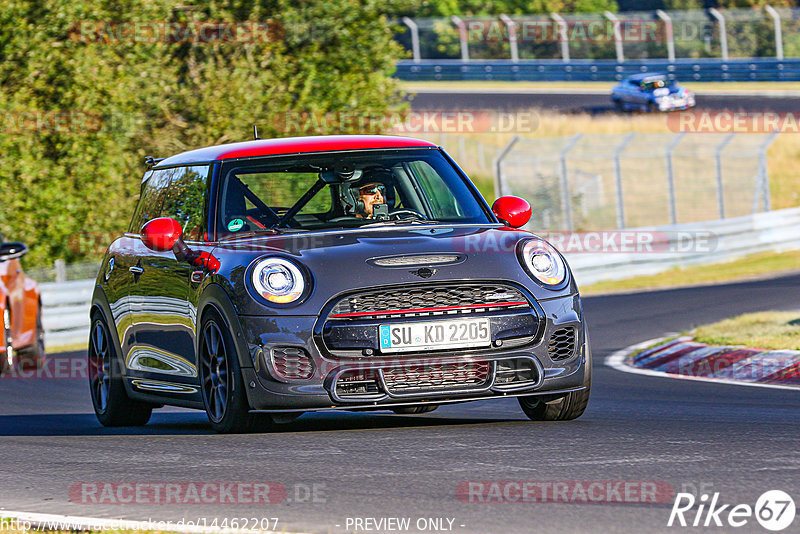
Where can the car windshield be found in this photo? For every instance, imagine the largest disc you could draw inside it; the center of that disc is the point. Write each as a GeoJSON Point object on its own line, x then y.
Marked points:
{"type": "Point", "coordinates": [658, 83]}
{"type": "Point", "coordinates": [344, 190]}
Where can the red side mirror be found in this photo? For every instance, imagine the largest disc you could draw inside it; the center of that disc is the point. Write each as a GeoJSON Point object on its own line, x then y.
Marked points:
{"type": "Point", "coordinates": [513, 210]}
{"type": "Point", "coordinates": [161, 234]}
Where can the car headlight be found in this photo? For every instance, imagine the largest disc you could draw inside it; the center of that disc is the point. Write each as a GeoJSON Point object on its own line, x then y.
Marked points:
{"type": "Point", "coordinates": [278, 280]}
{"type": "Point", "coordinates": [543, 262]}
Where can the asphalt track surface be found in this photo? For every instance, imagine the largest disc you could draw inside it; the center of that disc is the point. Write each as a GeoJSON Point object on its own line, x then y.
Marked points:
{"type": "Point", "coordinates": [593, 102]}
{"type": "Point", "coordinates": [739, 441]}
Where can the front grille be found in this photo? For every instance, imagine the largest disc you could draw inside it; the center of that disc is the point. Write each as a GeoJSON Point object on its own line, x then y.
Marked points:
{"type": "Point", "coordinates": [562, 344]}
{"type": "Point", "coordinates": [292, 362]}
{"type": "Point", "coordinates": [436, 377]}
{"type": "Point", "coordinates": [426, 300]}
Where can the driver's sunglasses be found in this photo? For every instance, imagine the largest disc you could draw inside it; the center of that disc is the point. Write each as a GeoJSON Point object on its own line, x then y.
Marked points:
{"type": "Point", "coordinates": [373, 190]}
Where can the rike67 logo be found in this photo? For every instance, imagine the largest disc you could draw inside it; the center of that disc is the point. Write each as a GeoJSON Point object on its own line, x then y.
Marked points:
{"type": "Point", "coordinates": [774, 510]}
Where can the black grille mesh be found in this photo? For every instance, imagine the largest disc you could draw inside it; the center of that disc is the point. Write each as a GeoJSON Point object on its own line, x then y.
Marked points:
{"type": "Point", "coordinates": [430, 296]}
{"type": "Point", "coordinates": [292, 362]}
{"type": "Point", "coordinates": [436, 377]}
{"type": "Point", "coordinates": [562, 344]}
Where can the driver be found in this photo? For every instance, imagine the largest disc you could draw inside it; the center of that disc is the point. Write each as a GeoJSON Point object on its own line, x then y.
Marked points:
{"type": "Point", "coordinates": [368, 196]}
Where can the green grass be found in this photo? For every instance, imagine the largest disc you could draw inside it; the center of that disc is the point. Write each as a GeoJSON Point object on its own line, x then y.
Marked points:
{"type": "Point", "coordinates": [751, 266]}
{"type": "Point", "coordinates": [764, 330]}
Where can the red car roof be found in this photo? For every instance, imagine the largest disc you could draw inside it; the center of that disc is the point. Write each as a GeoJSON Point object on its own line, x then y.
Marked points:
{"type": "Point", "coordinates": [294, 145]}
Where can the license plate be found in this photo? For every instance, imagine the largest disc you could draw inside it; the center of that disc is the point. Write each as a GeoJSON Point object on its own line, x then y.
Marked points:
{"type": "Point", "coordinates": [432, 335]}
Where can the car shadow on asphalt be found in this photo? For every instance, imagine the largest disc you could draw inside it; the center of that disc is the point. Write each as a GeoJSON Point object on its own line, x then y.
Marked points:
{"type": "Point", "coordinates": [197, 423]}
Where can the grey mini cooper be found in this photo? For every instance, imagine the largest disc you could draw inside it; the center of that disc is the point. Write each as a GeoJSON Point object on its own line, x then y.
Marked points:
{"type": "Point", "coordinates": [264, 279]}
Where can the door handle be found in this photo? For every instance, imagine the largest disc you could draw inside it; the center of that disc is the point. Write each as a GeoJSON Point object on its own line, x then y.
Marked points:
{"type": "Point", "coordinates": [136, 270]}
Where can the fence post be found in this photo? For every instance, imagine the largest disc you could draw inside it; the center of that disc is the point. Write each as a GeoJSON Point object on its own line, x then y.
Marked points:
{"type": "Point", "coordinates": [61, 270]}
{"type": "Point", "coordinates": [723, 34]}
{"type": "Point", "coordinates": [562, 35]}
{"type": "Point", "coordinates": [462, 36]}
{"type": "Point", "coordinates": [566, 199]}
{"type": "Point", "coordinates": [512, 37]}
{"type": "Point", "coordinates": [617, 34]}
{"type": "Point", "coordinates": [762, 171]}
{"type": "Point", "coordinates": [718, 168]}
{"type": "Point", "coordinates": [670, 34]}
{"type": "Point", "coordinates": [618, 179]}
{"type": "Point", "coordinates": [776, 18]}
{"type": "Point", "coordinates": [498, 164]}
{"type": "Point", "coordinates": [414, 38]}
{"type": "Point", "coordinates": [673, 212]}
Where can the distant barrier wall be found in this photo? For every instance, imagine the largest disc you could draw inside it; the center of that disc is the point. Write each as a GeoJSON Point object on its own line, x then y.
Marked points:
{"type": "Point", "coordinates": [700, 70]}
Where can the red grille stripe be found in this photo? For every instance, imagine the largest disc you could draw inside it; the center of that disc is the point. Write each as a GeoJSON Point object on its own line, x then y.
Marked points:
{"type": "Point", "coordinates": [423, 310]}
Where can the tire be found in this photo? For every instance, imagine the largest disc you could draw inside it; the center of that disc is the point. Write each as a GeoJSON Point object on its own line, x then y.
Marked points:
{"type": "Point", "coordinates": [9, 362]}
{"type": "Point", "coordinates": [111, 403]}
{"type": "Point", "coordinates": [570, 406]}
{"type": "Point", "coordinates": [35, 356]}
{"type": "Point", "coordinates": [651, 107]}
{"type": "Point", "coordinates": [412, 410]}
{"type": "Point", "coordinates": [618, 105]}
{"type": "Point", "coordinates": [221, 381]}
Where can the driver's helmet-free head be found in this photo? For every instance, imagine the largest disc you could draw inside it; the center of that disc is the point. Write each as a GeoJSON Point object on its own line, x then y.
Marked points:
{"type": "Point", "coordinates": [372, 182]}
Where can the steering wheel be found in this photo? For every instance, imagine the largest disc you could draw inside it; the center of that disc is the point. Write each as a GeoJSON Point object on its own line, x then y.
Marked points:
{"type": "Point", "coordinates": [398, 214]}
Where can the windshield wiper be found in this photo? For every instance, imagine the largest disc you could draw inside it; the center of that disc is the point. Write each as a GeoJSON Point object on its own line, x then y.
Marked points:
{"type": "Point", "coordinates": [398, 222]}
{"type": "Point", "coordinates": [261, 231]}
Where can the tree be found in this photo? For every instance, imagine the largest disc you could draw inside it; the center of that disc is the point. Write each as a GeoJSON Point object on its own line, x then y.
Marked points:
{"type": "Point", "coordinates": [84, 100]}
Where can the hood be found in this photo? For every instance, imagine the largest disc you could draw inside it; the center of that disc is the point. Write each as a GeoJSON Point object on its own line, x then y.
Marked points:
{"type": "Point", "coordinates": [368, 258]}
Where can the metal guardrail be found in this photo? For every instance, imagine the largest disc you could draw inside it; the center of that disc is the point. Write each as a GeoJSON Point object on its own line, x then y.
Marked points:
{"type": "Point", "coordinates": [706, 70]}
{"type": "Point", "coordinates": [65, 312]}
{"type": "Point", "coordinates": [66, 305]}
{"type": "Point", "coordinates": [726, 240]}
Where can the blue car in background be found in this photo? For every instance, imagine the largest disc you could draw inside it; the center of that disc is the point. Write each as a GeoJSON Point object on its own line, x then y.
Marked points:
{"type": "Point", "coordinates": [651, 92]}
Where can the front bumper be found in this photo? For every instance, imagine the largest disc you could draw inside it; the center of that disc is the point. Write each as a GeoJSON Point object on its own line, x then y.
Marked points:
{"type": "Point", "coordinates": [526, 365]}
{"type": "Point", "coordinates": [676, 104]}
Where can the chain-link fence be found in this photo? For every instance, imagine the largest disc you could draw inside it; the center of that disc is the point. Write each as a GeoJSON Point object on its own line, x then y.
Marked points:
{"type": "Point", "coordinates": [592, 182]}
{"type": "Point", "coordinates": [763, 32]}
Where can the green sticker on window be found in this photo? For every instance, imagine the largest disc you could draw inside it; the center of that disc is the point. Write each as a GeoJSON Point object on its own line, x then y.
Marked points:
{"type": "Point", "coordinates": [235, 225]}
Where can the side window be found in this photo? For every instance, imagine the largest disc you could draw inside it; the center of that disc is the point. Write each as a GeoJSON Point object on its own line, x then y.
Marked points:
{"type": "Point", "coordinates": [178, 192]}
{"type": "Point", "coordinates": [147, 200]}
{"type": "Point", "coordinates": [184, 199]}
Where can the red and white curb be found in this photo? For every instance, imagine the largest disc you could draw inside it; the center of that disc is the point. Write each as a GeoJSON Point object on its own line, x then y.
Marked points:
{"type": "Point", "coordinates": [684, 358]}
{"type": "Point", "coordinates": [26, 521]}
